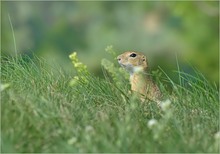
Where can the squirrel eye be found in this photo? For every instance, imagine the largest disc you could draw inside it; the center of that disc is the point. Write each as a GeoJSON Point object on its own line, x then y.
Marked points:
{"type": "Point", "coordinates": [133, 55]}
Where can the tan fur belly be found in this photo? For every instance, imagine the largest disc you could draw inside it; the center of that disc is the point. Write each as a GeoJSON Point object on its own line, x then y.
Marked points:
{"type": "Point", "coordinates": [144, 86]}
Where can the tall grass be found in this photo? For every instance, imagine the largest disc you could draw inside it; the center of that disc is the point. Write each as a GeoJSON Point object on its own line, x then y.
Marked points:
{"type": "Point", "coordinates": [41, 112]}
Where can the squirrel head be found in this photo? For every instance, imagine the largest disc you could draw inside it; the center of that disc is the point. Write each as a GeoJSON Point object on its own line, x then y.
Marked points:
{"type": "Point", "coordinates": [133, 62]}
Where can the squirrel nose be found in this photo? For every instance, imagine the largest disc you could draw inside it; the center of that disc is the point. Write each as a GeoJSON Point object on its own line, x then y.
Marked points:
{"type": "Point", "coordinates": [119, 59]}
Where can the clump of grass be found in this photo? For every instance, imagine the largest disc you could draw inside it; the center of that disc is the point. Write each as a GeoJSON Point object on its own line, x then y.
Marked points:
{"type": "Point", "coordinates": [41, 112]}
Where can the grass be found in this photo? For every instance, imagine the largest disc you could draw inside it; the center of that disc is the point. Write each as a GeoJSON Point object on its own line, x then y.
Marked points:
{"type": "Point", "coordinates": [41, 112]}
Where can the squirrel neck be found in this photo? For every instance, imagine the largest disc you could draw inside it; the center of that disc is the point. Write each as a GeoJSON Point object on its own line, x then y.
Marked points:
{"type": "Point", "coordinates": [139, 81]}
{"type": "Point", "coordinates": [140, 71]}
{"type": "Point", "coordinates": [140, 76]}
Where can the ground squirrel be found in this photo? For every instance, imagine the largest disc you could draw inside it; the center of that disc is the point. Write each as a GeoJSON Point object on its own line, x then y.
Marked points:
{"type": "Point", "coordinates": [136, 64]}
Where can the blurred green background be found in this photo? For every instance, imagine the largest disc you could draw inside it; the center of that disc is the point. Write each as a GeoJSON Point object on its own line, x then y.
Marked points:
{"type": "Point", "coordinates": [161, 30]}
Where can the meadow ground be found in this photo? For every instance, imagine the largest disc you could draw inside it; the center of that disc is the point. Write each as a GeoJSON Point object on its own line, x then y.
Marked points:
{"type": "Point", "coordinates": [41, 112]}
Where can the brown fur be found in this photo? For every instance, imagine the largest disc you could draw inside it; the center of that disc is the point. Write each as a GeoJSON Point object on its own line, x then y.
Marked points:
{"type": "Point", "coordinates": [140, 81]}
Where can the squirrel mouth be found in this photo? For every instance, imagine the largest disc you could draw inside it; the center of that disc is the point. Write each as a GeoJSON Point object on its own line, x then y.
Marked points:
{"type": "Point", "coordinates": [122, 65]}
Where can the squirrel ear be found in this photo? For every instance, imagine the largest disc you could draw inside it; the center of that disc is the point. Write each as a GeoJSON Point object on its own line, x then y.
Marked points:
{"type": "Point", "coordinates": [144, 59]}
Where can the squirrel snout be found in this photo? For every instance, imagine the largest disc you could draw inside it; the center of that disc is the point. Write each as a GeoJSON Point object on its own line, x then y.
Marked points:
{"type": "Point", "coordinates": [119, 59]}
